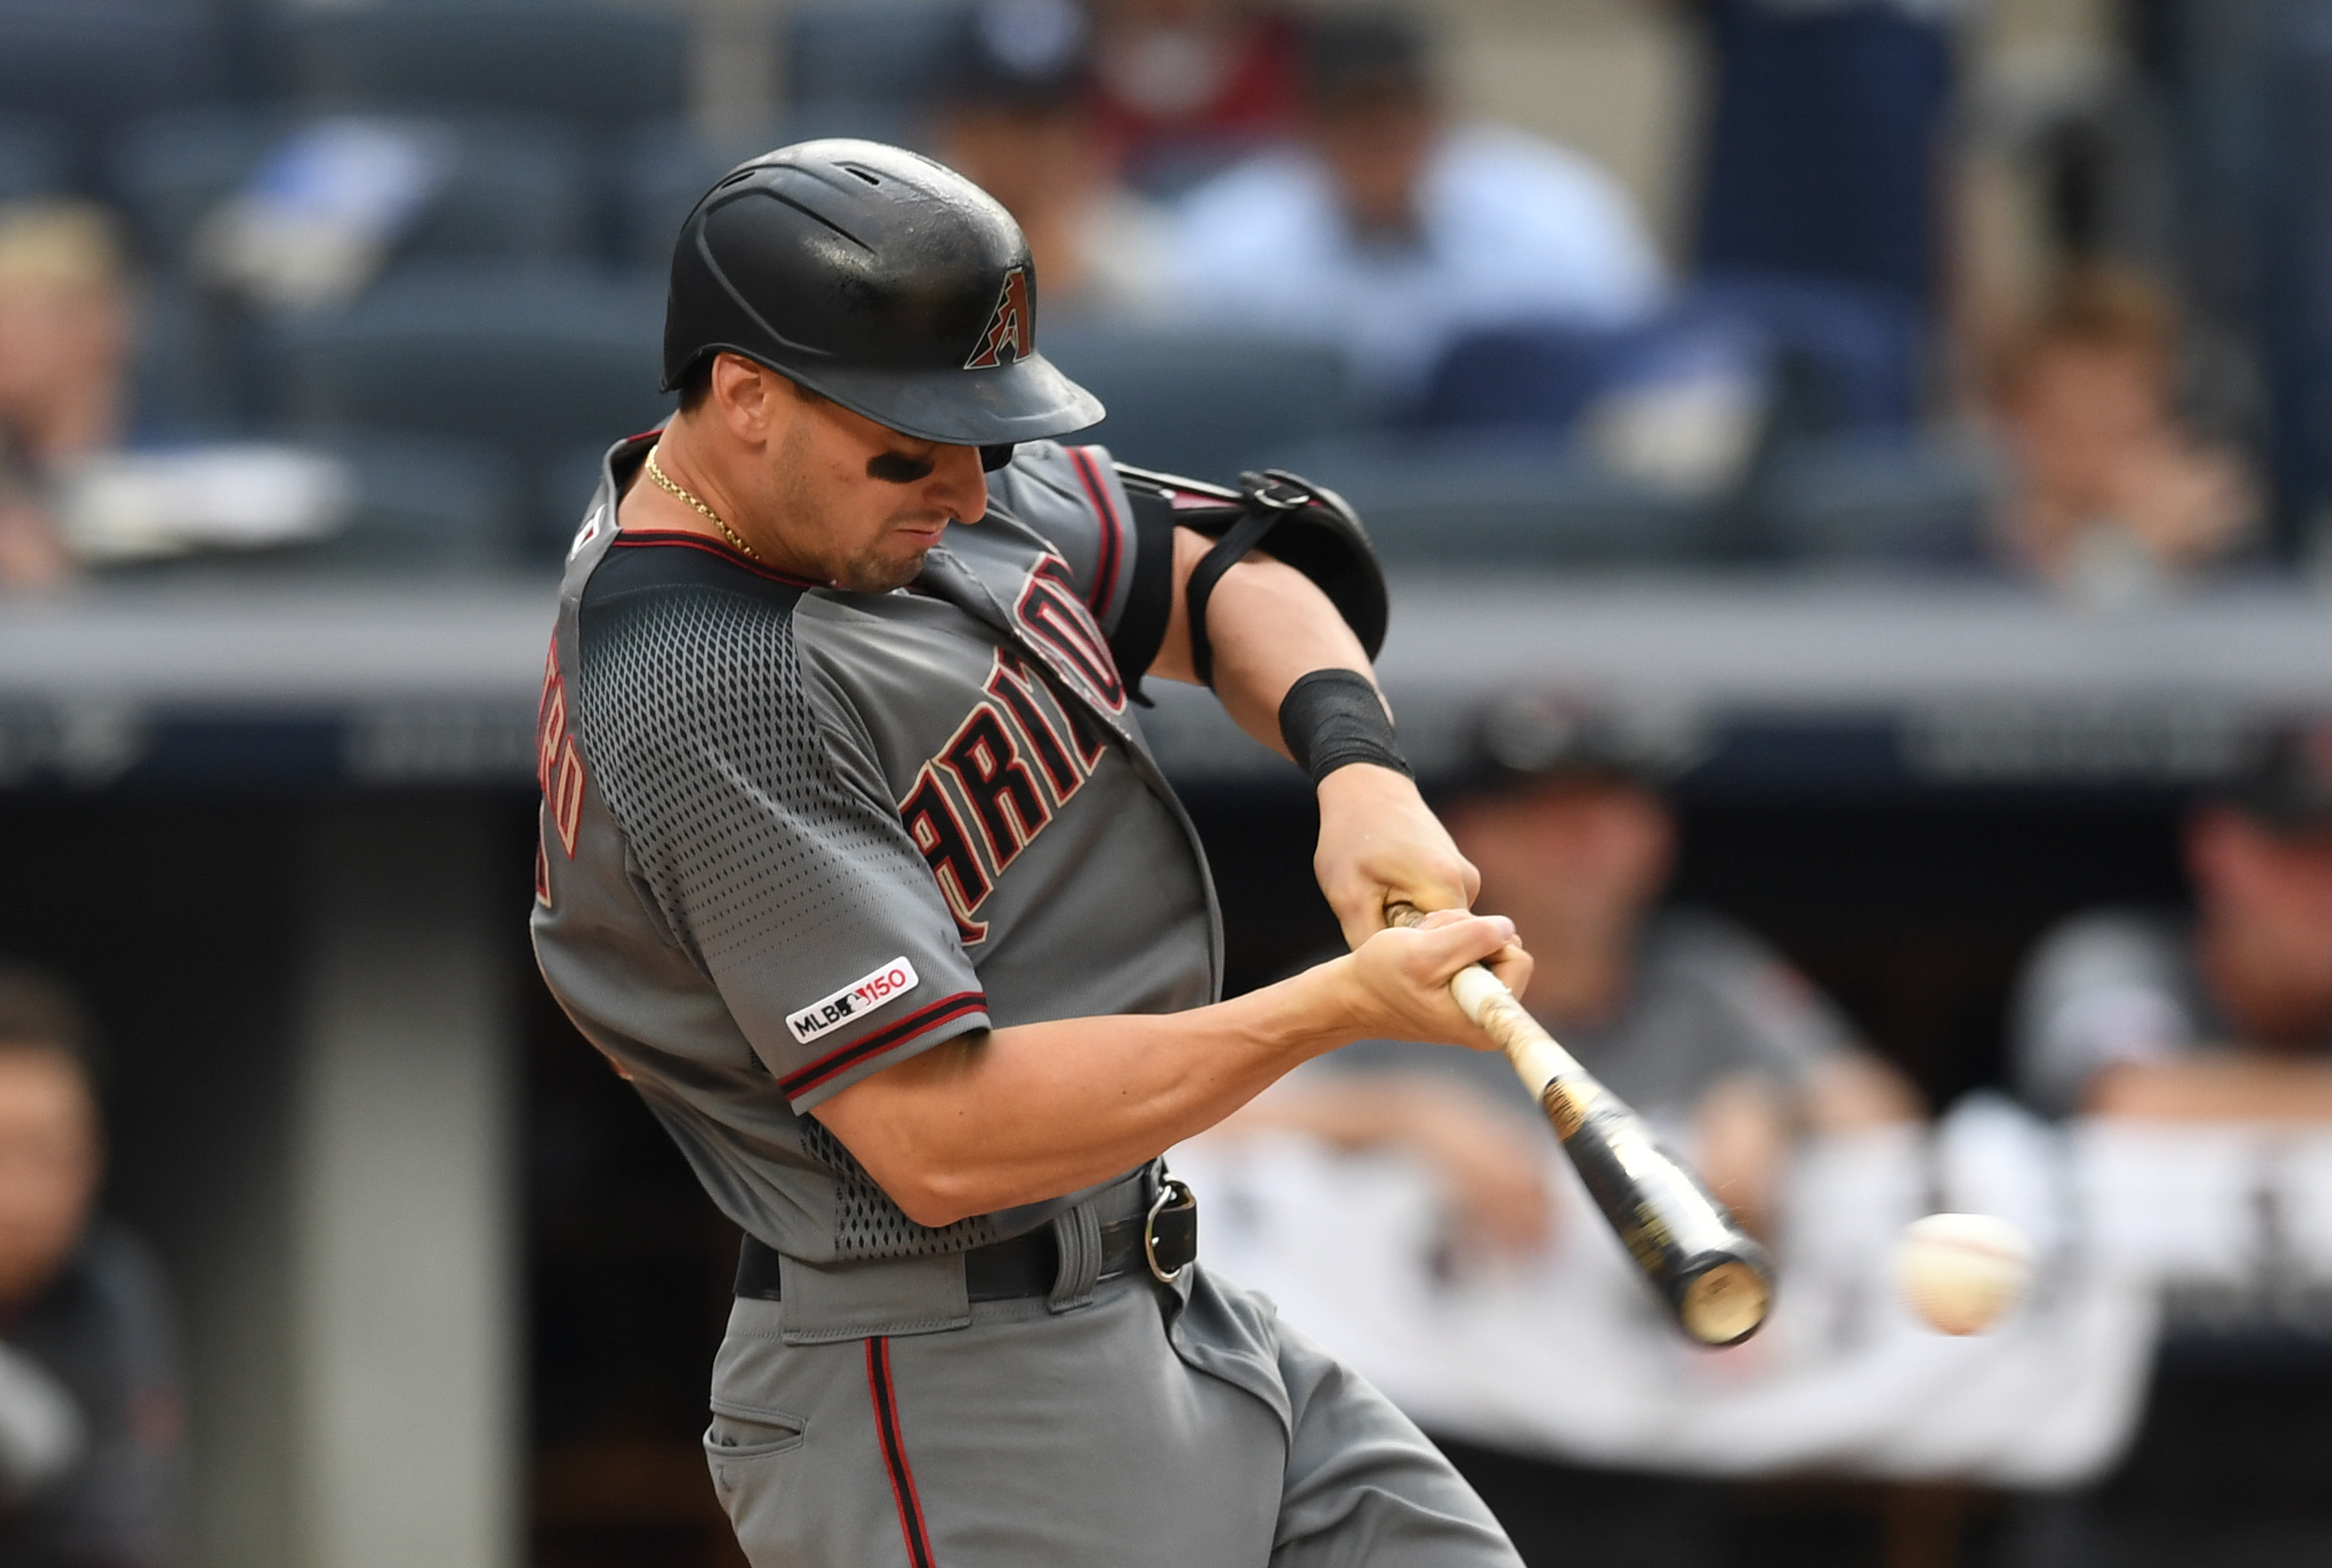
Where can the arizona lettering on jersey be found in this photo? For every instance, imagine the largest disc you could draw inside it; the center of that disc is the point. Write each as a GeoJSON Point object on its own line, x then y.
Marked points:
{"type": "Point", "coordinates": [1017, 758]}
{"type": "Point", "coordinates": [1062, 630]}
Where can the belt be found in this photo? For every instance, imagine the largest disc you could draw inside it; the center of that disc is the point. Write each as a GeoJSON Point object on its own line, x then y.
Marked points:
{"type": "Point", "coordinates": [1165, 1241]}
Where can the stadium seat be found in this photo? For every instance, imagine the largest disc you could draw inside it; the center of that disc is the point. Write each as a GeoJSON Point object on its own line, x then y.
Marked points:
{"type": "Point", "coordinates": [603, 65]}
{"type": "Point", "coordinates": [1857, 349]}
{"type": "Point", "coordinates": [414, 503]}
{"type": "Point", "coordinates": [86, 67]}
{"type": "Point", "coordinates": [34, 159]}
{"type": "Point", "coordinates": [1882, 500]}
{"type": "Point", "coordinates": [871, 52]}
{"type": "Point", "coordinates": [516, 188]}
{"type": "Point", "coordinates": [187, 373]}
{"type": "Point", "coordinates": [534, 362]}
{"type": "Point", "coordinates": [422, 502]}
{"type": "Point", "coordinates": [1839, 358]}
{"type": "Point", "coordinates": [1543, 377]}
{"type": "Point", "coordinates": [1204, 405]}
{"type": "Point", "coordinates": [1500, 501]}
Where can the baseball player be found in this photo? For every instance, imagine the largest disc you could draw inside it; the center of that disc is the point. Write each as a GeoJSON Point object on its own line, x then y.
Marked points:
{"type": "Point", "coordinates": [855, 861]}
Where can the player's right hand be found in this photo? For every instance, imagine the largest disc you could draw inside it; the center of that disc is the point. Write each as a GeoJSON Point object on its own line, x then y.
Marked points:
{"type": "Point", "coordinates": [1400, 978]}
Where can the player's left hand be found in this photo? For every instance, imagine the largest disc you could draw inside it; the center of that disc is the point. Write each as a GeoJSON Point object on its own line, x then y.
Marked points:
{"type": "Point", "coordinates": [1379, 844]}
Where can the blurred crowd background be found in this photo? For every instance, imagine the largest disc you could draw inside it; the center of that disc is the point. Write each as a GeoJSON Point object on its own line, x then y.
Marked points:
{"type": "Point", "coordinates": [2029, 289]}
{"type": "Point", "coordinates": [1768, 318]}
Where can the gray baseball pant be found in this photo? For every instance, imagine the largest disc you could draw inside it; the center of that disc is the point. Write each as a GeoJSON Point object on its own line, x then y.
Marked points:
{"type": "Point", "coordinates": [1150, 1427]}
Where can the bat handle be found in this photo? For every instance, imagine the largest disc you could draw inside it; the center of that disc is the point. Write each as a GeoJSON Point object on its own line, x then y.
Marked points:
{"type": "Point", "coordinates": [1716, 1277]}
{"type": "Point", "coordinates": [1482, 996]}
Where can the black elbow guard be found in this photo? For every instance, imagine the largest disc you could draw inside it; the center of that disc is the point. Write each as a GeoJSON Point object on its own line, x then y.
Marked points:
{"type": "Point", "coordinates": [1290, 519]}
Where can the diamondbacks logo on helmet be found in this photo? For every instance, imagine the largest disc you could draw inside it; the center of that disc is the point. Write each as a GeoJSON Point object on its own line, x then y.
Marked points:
{"type": "Point", "coordinates": [1011, 331]}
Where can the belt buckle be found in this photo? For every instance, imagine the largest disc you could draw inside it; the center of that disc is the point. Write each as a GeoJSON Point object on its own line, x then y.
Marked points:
{"type": "Point", "coordinates": [1175, 1241]}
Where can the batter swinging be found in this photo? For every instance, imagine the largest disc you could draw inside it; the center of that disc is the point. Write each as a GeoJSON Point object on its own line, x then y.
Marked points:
{"type": "Point", "coordinates": [855, 863]}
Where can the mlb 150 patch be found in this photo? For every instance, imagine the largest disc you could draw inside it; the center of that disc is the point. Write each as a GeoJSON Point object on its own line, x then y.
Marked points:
{"type": "Point", "coordinates": [854, 1001]}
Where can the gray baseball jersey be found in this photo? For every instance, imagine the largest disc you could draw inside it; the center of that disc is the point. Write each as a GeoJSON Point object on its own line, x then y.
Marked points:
{"type": "Point", "coordinates": [793, 834]}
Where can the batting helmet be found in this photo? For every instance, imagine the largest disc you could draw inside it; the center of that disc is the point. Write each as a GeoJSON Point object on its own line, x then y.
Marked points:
{"type": "Point", "coordinates": [880, 279]}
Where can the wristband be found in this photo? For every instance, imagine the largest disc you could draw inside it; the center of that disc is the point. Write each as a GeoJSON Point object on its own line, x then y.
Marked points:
{"type": "Point", "coordinates": [1332, 719]}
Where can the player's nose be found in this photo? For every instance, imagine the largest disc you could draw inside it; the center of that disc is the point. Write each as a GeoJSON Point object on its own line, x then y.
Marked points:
{"type": "Point", "coordinates": [958, 485]}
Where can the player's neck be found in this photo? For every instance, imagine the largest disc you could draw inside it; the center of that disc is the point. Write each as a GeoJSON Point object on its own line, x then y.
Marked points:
{"type": "Point", "coordinates": [681, 454]}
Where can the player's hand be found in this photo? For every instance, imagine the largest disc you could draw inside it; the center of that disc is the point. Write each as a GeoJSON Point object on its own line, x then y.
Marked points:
{"type": "Point", "coordinates": [1397, 983]}
{"type": "Point", "coordinates": [1379, 844]}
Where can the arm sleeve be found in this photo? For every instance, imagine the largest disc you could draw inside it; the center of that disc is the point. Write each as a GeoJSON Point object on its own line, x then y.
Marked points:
{"type": "Point", "coordinates": [2099, 992]}
{"type": "Point", "coordinates": [752, 805]}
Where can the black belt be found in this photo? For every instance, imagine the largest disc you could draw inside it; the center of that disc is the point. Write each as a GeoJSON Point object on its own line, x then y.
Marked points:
{"type": "Point", "coordinates": [1164, 1242]}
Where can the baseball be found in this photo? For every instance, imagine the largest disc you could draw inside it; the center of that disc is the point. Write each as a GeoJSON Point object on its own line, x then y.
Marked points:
{"type": "Point", "coordinates": [1959, 1272]}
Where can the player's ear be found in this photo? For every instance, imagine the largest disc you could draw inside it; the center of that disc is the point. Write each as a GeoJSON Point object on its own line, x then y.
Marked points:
{"type": "Point", "coordinates": [742, 396]}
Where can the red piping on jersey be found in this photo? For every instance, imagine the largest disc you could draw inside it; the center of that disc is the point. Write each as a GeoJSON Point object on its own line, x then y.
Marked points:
{"type": "Point", "coordinates": [885, 1400]}
{"type": "Point", "coordinates": [660, 538]}
{"type": "Point", "coordinates": [1113, 527]}
{"type": "Point", "coordinates": [921, 1021]}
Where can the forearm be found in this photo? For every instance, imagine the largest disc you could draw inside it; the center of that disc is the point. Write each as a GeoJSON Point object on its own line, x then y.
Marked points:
{"type": "Point", "coordinates": [1024, 1113]}
{"type": "Point", "coordinates": [2230, 1087]}
{"type": "Point", "coordinates": [1268, 625]}
{"type": "Point", "coordinates": [1034, 1111]}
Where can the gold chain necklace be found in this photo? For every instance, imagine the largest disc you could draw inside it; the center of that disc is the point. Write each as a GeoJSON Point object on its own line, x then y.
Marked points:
{"type": "Point", "coordinates": [664, 480]}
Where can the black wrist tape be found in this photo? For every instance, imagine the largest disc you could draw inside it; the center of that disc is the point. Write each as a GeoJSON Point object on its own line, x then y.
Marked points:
{"type": "Point", "coordinates": [1331, 719]}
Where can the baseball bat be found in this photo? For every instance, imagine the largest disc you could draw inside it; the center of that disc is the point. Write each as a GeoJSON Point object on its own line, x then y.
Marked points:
{"type": "Point", "coordinates": [1712, 1274]}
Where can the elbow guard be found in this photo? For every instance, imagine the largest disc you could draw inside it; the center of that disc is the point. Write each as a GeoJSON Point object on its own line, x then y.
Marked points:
{"type": "Point", "coordinates": [1290, 519]}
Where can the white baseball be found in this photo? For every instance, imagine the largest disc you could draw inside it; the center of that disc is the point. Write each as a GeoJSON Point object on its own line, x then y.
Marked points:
{"type": "Point", "coordinates": [1959, 1272]}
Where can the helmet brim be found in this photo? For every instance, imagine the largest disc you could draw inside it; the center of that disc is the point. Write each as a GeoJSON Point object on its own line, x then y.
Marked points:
{"type": "Point", "coordinates": [1027, 400]}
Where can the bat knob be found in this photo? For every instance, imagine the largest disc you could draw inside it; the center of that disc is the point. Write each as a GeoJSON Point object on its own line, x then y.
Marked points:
{"type": "Point", "coordinates": [1726, 1303]}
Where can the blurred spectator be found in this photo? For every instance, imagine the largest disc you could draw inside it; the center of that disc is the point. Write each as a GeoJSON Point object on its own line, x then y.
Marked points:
{"type": "Point", "coordinates": [64, 350]}
{"type": "Point", "coordinates": [1018, 125]}
{"type": "Point", "coordinates": [1823, 147]}
{"type": "Point", "coordinates": [2112, 493]}
{"type": "Point", "coordinates": [1182, 87]}
{"type": "Point", "coordinates": [1683, 1015]}
{"type": "Point", "coordinates": [85, 479]}
{"type": "Point", "coordinates": [1391, 232]}
{"type": "Point", "coordinates": [2225, 1013]}
{"type": "Point", "coordinates": [89, 1410]}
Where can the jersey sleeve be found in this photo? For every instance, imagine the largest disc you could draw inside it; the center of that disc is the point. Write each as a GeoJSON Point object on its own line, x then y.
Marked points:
{"type": "Point", "coordinates": [761, 837]}
{"type": "Point", "coordinates": [1120, 551]}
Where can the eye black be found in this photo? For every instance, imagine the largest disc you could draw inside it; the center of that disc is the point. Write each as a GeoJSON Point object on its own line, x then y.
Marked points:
{"type": "Point", "coordinates": [898, 468]}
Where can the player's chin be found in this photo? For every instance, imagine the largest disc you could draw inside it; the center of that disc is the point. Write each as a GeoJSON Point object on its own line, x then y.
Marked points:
{"type": "Point", "coordinates": [880, 571]}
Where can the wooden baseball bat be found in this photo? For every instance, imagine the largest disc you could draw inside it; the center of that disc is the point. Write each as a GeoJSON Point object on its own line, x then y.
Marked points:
{"type": "Point", "coordinates": [1712, 1274]}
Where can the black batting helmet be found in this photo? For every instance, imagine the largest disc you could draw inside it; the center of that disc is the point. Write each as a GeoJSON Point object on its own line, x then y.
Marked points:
{"type": "Point", "coordinates": [880, 279]}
